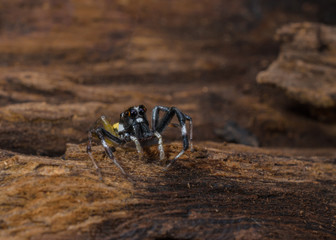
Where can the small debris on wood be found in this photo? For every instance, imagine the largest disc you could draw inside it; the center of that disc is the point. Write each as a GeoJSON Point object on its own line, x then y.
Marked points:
{"type": "Point", "coordinates": [234, 133]}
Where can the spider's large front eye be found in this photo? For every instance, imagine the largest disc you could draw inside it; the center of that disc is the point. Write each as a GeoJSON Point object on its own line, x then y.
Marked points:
{"type": "Point", "coordinates": [133, 112]}
{"type": "Point", "coordinates": [127, 113]}
{"type": "Point", "coordinates": [141, 111]}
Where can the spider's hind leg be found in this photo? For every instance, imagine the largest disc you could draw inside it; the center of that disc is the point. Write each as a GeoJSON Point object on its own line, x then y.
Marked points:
{"type": "Point", "coordinates": [89, 151]}
{"type": "Point", "coordinates": [101, 133]}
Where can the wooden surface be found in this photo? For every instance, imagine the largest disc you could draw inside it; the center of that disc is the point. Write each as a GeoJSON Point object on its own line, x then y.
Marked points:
{"type": "Point", "coordinates": [218, 192]}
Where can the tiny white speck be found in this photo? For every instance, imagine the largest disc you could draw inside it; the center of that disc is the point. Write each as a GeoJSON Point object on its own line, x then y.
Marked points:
{"type": "Point", "coordinates": [184, 130]}
{"type": "Point", "coordinates": [104, 144]}
{"type": "Point", "coordinates": [139, 120]}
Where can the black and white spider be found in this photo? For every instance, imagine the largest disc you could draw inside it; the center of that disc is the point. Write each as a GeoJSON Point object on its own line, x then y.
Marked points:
{"type": "Point", "coordinates": [133, 127]}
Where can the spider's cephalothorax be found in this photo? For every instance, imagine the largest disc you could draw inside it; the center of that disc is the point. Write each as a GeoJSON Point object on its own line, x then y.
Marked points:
{"type": "Point", "coordinates": [133, 126]}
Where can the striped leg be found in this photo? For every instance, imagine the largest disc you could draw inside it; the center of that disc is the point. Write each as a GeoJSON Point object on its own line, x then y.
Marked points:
{"type": "Point", "coordinates": [137, 145]}
{"type": "Point", "coordinates": [160, 125]}
{"type": "Point", "coordinates": [101, 134]}
{"type": "Point", "coordinates": [89, 151]}
{"type": "Point", "coordinates": [160, 143]}
{"type": "Point", "coordinates": [190, 132]}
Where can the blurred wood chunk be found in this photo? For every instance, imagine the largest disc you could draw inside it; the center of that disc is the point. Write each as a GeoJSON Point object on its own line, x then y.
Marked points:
{"type": "Point", "coordinates": [306, 66]}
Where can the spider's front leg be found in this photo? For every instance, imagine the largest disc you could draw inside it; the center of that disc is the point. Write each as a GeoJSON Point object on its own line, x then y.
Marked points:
{"type": "Point", "coordinates": [137, 146]}
{"type": "Point", "coordinates": [101, 133]}
{"type": "Point", "coordinates": [159, 125]}
{"type": "Point", "coordinates": [160, 145]}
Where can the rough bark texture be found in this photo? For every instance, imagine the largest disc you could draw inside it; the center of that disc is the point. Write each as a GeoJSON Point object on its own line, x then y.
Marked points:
{"type": "Point", "coordinates": [65, 63]}
{"type": "Point", "coordinates": [217, 192]}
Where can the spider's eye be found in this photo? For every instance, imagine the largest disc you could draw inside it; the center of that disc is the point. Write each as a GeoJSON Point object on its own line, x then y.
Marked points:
{"type": "Point", "coordinates": [142, 109]}
{"type": "Point", "coordinates": [133, 112]}
{"type": "Point", "coordinates": [127, 113]}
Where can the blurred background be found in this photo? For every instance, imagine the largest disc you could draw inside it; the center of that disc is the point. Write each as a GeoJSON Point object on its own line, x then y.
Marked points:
{"type": "Point", "coordinates": [63, 63]}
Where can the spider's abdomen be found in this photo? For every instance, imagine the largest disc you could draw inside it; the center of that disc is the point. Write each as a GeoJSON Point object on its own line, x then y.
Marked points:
{"type": "Point", "coordinates": [114, 129]}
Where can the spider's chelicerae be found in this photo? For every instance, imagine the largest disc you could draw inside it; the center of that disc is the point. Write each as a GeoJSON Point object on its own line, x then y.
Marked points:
{"type": "Point", "coordinates": [133, 127]}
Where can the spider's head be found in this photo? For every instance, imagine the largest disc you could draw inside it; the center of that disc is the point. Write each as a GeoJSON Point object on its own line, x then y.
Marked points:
{"type": "Point", "coordinates": [134, 115]}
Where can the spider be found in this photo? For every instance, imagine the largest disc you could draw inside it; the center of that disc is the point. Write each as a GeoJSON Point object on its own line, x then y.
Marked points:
{"type": "Point", "coordinates": [133, 127]}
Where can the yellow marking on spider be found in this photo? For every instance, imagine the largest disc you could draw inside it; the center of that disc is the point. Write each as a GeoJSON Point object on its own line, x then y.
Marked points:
{"type": "Point", "coordinates": [115, 129]}
{"type": "Point", "coordinates": [111, 128]}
